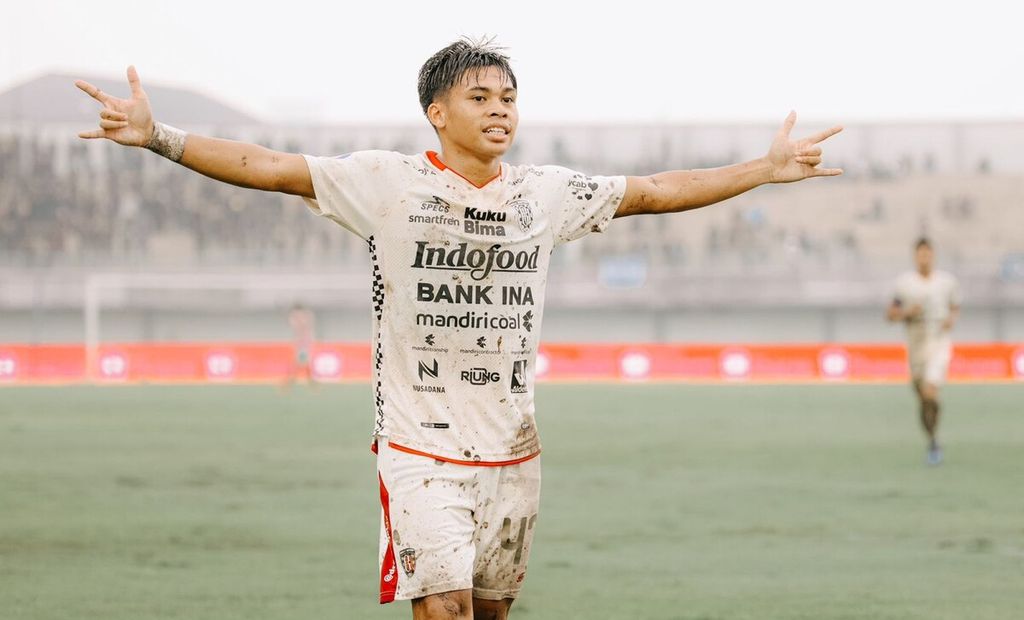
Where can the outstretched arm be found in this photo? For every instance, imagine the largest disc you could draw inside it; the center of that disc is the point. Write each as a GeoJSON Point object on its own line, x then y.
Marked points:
{"type": "Point", "coordinates": [787, 161]}
{"type": "Point", "coordinates": [130, 122]}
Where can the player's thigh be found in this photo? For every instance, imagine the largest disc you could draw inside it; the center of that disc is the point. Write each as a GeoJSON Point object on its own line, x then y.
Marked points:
{"type": "Point", "coordinates": [456, 605]}
{"type": "Point", "coordinates": [427, 543]}
{"type": "Point", "coordinates": [917, 361]}
{"type": "Point", "coordinates": [485, 609]}
{"type": "Point", "coordinates": [936, 369]}
{"type": "Point", "coordinates": [506, 521]}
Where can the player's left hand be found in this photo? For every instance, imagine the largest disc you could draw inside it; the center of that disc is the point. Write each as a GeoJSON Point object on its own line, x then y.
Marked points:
{"type": "Point", "coordinates": [795, 160]}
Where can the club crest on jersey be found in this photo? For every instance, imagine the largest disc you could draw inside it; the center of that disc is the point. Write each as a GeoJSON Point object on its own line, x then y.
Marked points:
{"type": "Point", "coordinates": [408, 558]}
{"type": "Point", "coordinates": [523, 213]}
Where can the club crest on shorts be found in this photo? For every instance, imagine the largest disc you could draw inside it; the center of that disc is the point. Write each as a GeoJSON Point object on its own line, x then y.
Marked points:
{"type": "Point", "coordinates": [408, 558]}
{"type": "Point", "coordinates": [523, 213]}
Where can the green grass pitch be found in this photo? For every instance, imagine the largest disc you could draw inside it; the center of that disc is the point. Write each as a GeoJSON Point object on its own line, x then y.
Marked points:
{"type": "Point", "coordinates": [659, 501]}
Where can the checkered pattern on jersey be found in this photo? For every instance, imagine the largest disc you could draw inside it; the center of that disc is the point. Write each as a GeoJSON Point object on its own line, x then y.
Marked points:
{"type": "Point", "coordinates": [378, 356]}
{"type": "Point", "coordinates": [378, 280]}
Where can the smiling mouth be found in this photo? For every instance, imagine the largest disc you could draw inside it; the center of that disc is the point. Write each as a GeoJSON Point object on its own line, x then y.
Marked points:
{"type": "Point", "coordinates": [496, 131]}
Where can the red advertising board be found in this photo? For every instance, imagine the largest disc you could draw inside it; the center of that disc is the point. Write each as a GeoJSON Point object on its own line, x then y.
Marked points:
{"type": "Point", "coordinates": [703, 363]}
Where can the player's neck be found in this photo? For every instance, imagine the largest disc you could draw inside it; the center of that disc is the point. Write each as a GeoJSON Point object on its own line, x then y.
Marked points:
{"type": "Point", "coordinates": [478, 170]}
{"type": "Point", "coordinates": [925, 273]}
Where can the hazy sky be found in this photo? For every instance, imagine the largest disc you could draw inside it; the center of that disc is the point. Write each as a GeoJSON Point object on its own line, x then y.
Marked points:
{"type": "Point", "coordinates": [636, 61]}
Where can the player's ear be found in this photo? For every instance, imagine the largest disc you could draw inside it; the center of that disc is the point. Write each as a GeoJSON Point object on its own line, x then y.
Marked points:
{"type": "Point", "coordinates": [436, 115]}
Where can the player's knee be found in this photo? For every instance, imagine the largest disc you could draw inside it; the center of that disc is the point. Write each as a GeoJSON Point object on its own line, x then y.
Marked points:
{"type": "Point", "coordinates": [443, 606]}
{"type": "Point", "coordinates": [929, 391]}
{"type": "Point", "coordinates": [491, 610]}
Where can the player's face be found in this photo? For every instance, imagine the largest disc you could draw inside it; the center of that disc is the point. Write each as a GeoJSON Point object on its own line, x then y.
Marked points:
{"type": "Point", "coordinates": [478, 115]}
{"type": "Point", "coordinates": [924, 258]}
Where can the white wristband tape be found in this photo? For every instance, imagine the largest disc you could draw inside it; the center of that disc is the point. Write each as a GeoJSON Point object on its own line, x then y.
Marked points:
{"type": "Point", "coordinates": [167, 141]}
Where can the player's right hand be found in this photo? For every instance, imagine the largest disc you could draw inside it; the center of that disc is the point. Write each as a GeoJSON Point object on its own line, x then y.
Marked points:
{"type": "Point", "coordinates": [125, 121]}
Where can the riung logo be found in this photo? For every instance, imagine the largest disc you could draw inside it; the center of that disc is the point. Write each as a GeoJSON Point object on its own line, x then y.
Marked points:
{"type": "Point", "coordinates": [428, 371]}
{"type": "Point", "coordinates": [519, 377]}
{"type": "Point", "coordinates": [582, 187]}
{"type": "Point", "coordinates": [480, 376]}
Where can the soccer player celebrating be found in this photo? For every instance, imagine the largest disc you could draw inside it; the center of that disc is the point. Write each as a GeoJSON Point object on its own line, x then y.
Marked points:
{"type": "Point", "coordinates": [928, 301]}
{"type": "Point", "coordinates": [460, 244]}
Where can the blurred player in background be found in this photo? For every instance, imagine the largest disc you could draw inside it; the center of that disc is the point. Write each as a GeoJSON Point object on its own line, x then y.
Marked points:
{"type": "Point", "coordinates": [302, 323]}
{"type": "Point", "coordinates": [928, 302]}
{"type": "Point", "coordinates": [460, 244]}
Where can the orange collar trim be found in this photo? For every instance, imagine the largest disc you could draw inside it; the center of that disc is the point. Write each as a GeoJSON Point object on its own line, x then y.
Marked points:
{"type": "Point", "coordinates": [434, 159]}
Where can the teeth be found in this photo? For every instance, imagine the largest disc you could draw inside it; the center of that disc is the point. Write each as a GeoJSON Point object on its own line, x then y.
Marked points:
{"type": "Point", "coordinates": [495, 130]}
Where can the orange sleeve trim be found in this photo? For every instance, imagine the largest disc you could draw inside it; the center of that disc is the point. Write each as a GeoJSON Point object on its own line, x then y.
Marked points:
{"type": "Point", "coordinates": [395, 446]}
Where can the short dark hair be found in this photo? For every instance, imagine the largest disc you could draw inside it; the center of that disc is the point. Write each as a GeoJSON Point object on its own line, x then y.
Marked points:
{"type": "Point", "coordinates": [445, 68]}
{"type": "Point", "coordinates": [923, 242]}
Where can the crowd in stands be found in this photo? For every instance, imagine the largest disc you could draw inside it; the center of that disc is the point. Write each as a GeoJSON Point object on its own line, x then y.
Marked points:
{"type": "Point", "coordinates": [93, 205]}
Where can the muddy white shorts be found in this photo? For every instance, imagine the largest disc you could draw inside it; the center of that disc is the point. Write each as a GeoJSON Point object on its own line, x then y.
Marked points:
{"type": "Point", "coordinates": [447, 527]}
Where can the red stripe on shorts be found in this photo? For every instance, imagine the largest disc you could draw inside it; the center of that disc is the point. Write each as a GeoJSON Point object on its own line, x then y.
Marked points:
{"type": "Point", "coordinates": [388, 569]}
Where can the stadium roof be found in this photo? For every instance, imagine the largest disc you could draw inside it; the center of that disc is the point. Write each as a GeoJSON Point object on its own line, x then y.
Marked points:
{"type": "Point", "coordinates": [53, 98]}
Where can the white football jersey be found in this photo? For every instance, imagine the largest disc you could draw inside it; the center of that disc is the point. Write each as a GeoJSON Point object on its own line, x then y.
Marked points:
{"type": "Point", "coordinates": [935, 294]}
{"type": "Point", "coordinates": [459, 274]}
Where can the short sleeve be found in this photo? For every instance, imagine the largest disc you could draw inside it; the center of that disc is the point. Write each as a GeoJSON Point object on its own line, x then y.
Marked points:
{"type": "Point", "coordinates": [352, 189]}
{"type": "Point", "coordinates": [582, 204]}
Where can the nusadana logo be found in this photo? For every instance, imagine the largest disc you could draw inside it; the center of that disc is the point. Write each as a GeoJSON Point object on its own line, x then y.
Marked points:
{"type": "Point", "coordinates": [478, 262]}
{"type": "Point", "coordinates": [428, 371]}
